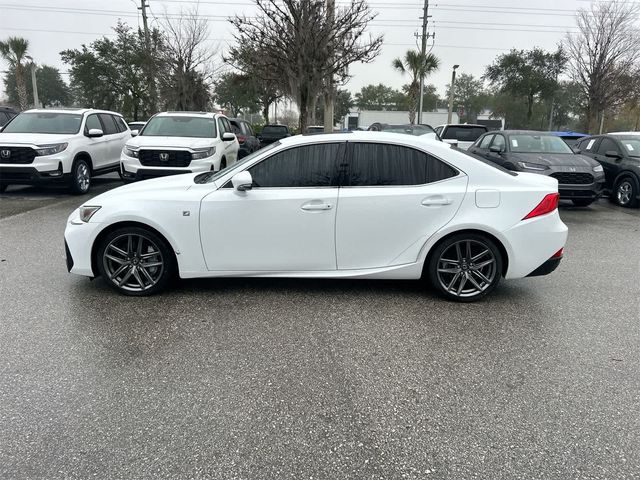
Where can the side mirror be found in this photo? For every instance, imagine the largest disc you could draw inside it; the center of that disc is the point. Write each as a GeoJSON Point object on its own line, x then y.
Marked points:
{"type": "Point", "coordinates": [134, 133]}
{"type": "Point", "coordinates": [95, 133]}
{"type": "Point", "coordinates": [242, 181]}
{"type": "Point", "coordinates": [228, 137]}
{"type": "Point", "coordinates": [495, 149]}
{"type": "Point", "coordinates": [612, 154]}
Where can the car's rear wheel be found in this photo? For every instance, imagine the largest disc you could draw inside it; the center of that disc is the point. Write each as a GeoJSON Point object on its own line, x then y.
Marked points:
{"type": "Point", "coordinates": [136, 261]}
{"type": "Point", "coordinates": [3, 187]}
{"type": "Point", "coordinates": [80, 177]}
{"type": "Point", "coordinates": [626, 192]}
{"type": "Point", "coordinates": [579, 202]}
{"type": "Point", "coordinates": [465, 267]}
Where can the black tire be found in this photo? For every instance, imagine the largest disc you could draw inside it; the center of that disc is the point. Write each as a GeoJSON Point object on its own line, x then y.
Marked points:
{"type": "Point", "coordinates": [80, 177]}
{"type": "Point", "coordinates": [3, 187]}
{"type": "Point", "coordinates": [122, 261]}
{"type": "Point", "coordinates": [474, 275]}
{"type": "Point", "coordinates": [625, 193]}
{"type": "Point", "coordinates": [582, 202]}
{"type": "Point", "coordinates": [223, 164]}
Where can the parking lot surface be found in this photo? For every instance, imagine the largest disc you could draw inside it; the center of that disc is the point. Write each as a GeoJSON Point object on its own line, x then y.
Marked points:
{"type": "Point", "coordinates": [274, 378]}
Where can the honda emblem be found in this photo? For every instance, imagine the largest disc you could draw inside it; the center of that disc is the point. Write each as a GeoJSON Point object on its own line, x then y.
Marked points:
{"type": "Point", "coordinates": [164, 157]}
{"type": "Point", "coordinates": [5, 153]}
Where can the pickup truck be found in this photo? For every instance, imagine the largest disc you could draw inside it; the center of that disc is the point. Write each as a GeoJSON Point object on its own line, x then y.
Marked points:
{"type": "Point", "coordinates": [273, 133]}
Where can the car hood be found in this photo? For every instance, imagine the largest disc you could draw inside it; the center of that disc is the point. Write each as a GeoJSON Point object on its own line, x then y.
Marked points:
{"type": "Point", "coordinates": [557, 159]}
{"type": "Point", "coordinates": [145, 187]}
{"type": "Point", "coordinates": [166, 142]}
{"type": "Point", "coordinates": [33, 138]}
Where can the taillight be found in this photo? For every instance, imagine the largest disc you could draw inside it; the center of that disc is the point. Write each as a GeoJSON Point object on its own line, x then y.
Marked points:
{"type": "Point", "coordinates": [548, 204]}
{"type": "Point", "coordinates": [241, 138]}
{"type": "Point", "coordinates": [559, 253]}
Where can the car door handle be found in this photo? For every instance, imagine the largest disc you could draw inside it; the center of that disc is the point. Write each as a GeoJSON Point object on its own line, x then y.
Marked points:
{"type": "Point", "coordinates": [436, 201]}
{"type": "Point", "coordinates": [314, 207]}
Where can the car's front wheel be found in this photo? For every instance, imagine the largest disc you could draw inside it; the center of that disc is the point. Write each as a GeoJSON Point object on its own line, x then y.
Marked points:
{"type": "Point", "coordinates": [80, 177]}
{"type": "Point", "coordinates": [626, 192]}
{"type": "Point", "coordinates": [136, 261]}
{"type": "Point", "coordinates": [465, 267]}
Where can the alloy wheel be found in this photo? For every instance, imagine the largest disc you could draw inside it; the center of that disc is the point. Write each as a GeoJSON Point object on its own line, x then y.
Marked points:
{"type": "Point", "coordinates": [466, 268]}
{"type": "Point", "coordinates": [133, 262]}
{"type": "Point", "coordinates": [83, 176]}
{"type": "Point", "coordinates": [624, 192]}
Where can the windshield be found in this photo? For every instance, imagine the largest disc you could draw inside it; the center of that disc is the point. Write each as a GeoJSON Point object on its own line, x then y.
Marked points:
{"type": "Point", "coordinates": [209, 177]}
{"type": "Point", "coordinates": [180, 126]}
{"type": "Point", "coordinates": [530, 143]}
{"type": "Point", "coordinates": [274, 129]}
{"type": "Point", "coordinates": [409, 129]}
{"type": "Point", "coordinates": [45, 122]}
{"type": "Point", "coordinates": [463, 133]}
{"type": "Point", "coordinates": [631, 145]}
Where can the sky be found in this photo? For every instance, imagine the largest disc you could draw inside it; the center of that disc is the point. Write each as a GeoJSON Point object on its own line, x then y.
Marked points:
{"type": "Point", "coordinates": [468, 33]}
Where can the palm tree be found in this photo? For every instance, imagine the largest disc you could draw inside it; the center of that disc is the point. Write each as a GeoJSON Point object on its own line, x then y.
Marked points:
{"type": "Point", "coordinates": [14, 51]}
{"type": "Point", "coordinates": [417, 66]}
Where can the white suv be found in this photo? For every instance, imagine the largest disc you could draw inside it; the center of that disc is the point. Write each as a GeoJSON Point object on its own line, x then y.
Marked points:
{"type": "Point", "coordinates": [61, 146]}
{"type": "Point", "coordinates": [179, 142]}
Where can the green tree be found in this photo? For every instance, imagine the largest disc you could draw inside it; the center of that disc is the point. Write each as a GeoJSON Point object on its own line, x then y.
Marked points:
{"type": "Point", "coordinates": [416, 66]}
{"type": "Point", "coordinates": [469, 95]}
{"type": "Point", "coordinates": [343, 104]}
{"type": "Point", "coordinates": [236, 92]}
{"type": "Point", "coordinates": [52, 90]}
{"type": "Point", "coordinates": [110, 74]}
{"type": "Point", "coordinates": [531, 75]}
{"type": "Point", "coordinates": [380, 97]}
{"type": "Point", "coordinates": [15, 51]}
{"type": "Point", "coordinates": [431, 99]}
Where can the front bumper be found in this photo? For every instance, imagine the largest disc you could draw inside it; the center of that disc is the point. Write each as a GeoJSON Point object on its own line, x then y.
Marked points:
{"type": "Point", "coordinates": [581, 192]}
{"type": "Point", "coordinates": [132, 170]}
{"type": "Point", "coordinates": [32, 176]}
{"type": "Point", "coordinates": [79, 238]}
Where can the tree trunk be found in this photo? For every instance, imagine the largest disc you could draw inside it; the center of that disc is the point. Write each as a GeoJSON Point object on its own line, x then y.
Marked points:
{"type": "Point", "coordinates": [21, 87]}
{"type": "Point", "coordinates": [414, 93]}
{"type": "Point", "coordinates": [529, 110]}
{"type": "Point", "coordinates": [265, 111]}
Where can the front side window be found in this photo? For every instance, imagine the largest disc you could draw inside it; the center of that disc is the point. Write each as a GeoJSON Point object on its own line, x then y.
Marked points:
{"type": "Point", "coordinates": [221, 126]}
{"type": "Point", "coordinates": [531, 143]}
{"type": "Point", "coordinates": [607, 145]}
{"type": "Point", "coordinates": [378, 164]}
{"type": "Point", "coordinates": [305, 166]}
{"type": "Point", "coordinates": [180, 126]}
{"type": "Point", "coordinates": [499, 142]}
{"type": "Point", "coordinates": [45, 122]}
{"type": "Point", "coordinates": [486, 141]}
{"type": "Point", "coordinates": [631, 145]}
{"type": "Point", "coordinates": [93, 123]}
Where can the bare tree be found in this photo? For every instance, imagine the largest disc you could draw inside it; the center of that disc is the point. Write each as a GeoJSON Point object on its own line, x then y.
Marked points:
{"type": "Point", "coordinates": [295, 43]}
{"type": "Point", "coordinates": [190, 59]}
{"type": "Point", "coordinates": [604, 51]}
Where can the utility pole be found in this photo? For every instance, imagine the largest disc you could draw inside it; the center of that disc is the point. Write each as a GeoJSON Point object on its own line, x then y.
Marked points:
{"type": "Point", "coordinates": [423, 53]}
{"type": "Point", "coordinates": [329, 93]}
{"type": "Point", "coordinates": [34, 83]}
{"type": "Point", "coordinates": [451, 93]}
{"type": "Point", "coordinates": [151, 84]}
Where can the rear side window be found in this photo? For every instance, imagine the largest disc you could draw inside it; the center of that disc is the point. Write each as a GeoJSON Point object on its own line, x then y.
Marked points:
{"type": "Point", "coordinates": [109, 125]}
{"type": "Point", "coordinates": [463, 133]}
{"type": "Point", "coordinates": [299, 167]}
{"type": "Point", "coordinates": [377, 164]}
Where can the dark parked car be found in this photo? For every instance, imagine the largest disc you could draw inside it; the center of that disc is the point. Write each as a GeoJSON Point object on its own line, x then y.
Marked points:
{"type": "Point", "coordinates": [580, 178]}
{"type": "Point", "coordinates": [6, 114]}
{"type": "Point", "coordinates": [417, 130]}
{"type": "Point", "coordinates": [137, 126]}
{"type": "Point", "coordinates": [570, 138]}
{"type": "Point", "coordinates": [461, 135]}
{"type": "Point", "coordinates": [619, 155]}
{"type": "Point", "coordinates": [273, 133]}
{"type": "Point", "coordinates": [247, 139]}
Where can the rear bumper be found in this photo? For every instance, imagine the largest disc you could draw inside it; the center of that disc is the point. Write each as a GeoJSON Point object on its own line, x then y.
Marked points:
{"type": "Point", "coordinates": [32, 176]}
{"type": "Point", "coordinates": [546, 268]}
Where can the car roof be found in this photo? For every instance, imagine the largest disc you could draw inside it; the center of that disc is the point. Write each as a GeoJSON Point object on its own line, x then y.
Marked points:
{"type": "Point", "coordinates": [362, 136]}
{"type": "Point", "coordinates": [623, 133]}
{"type": "Point", "coordinates": [525, 132]}
{"type": "Point", "coordinates": [569, 134]}
{"type": "Point", "coordinates": [463, 125]}
{"type": "Point", "coordinates": [188, 114]}
{"type": "Point", "coordinates": [81, 111]}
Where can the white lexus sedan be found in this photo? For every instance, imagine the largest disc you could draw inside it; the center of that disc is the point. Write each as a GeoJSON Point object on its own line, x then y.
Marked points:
{"type": "Point", "coordinates": [355, 205]}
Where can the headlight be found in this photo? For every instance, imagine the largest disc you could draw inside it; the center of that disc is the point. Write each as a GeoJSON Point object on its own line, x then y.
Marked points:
{"type": "Point", "coordinates": [43, 150]}
{"type": "Point", "coordinates": [200, 154]}
{"type": "Point", "coordinates": [86, 212]}
{"type": "Point", "coordinates": [598, 169]}
{"type": "Point", "coordinates": [129, 152]}
{"type": "Point", "coordinates": [532, 166]}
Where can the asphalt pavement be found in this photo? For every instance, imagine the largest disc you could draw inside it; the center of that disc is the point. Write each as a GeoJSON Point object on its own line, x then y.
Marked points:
{"type": "Point", "coordinates": [276, 378]}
